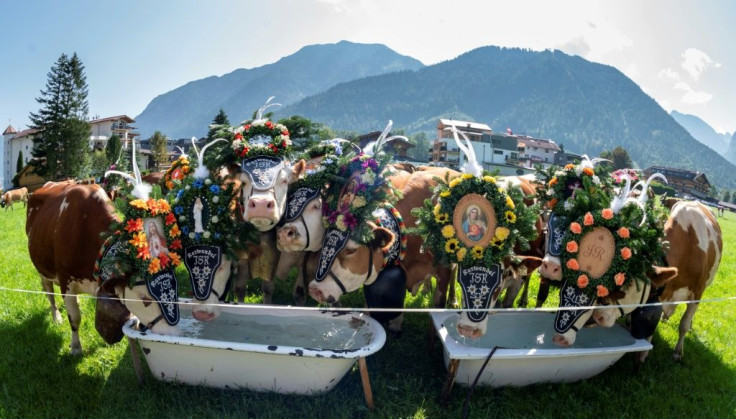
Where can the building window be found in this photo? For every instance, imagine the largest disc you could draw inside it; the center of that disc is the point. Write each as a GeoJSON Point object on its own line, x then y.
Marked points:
{"type": "Point", "coordinates": [498, 152]}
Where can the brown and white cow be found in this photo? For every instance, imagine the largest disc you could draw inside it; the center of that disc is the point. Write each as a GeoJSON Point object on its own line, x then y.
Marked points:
{"type": "Point", "coordinates": [353, 267]}
{"type": "Point", "coordinates": [12, 196]}
{"type": "Point", "coordinates": [696, 247]}
{"type": "Point", "coordinates": [65, 223]}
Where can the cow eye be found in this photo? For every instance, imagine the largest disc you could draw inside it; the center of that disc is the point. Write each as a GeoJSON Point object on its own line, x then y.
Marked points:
{"type": "Point", "coordinates": [349, 251]}
{"type": "Point", "coordinates": [604, 302]}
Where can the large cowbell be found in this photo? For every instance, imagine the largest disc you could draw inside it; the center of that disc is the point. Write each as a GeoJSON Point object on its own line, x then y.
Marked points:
{"type": "Point", "coordinates": [334, 241]}
{"type": "Point", "coordinates": [479, 283]}
{"type": "Point", "coordinates": [571, 298]}
{"type": "Point", "coordinates": [164, 289]}
{"type": "Point", "coordinates": [202, 261]}
{"type": "Point", "coordinates": [262, 170]}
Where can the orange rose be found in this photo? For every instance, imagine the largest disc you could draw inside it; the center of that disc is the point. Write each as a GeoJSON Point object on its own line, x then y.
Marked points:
{"type": "Point", "coordinates": [573, 264]}
{"type": "Point", "coordinates": [588, 171]}
{"type": "Point", "coordinates": [588, 219]}
{"type": "Point", "coordinates": [607, 213]}
{"type": "Point", "coordinates": [552, 182]}
{"type": "Point", "coordinates": [582, 281]}
{"type": "Point", "coordinates": [572, 247]}
{"type": "Point", "coordinates": [576, 228]}
{"type": "Point", "coordinates": [626, 253]}
{"type": "Point", "coordinates": [619, 278]}
{"type": "Point", "coordinates": [601, 291]}
{"type": "Point", "coordinates": [623, 232]}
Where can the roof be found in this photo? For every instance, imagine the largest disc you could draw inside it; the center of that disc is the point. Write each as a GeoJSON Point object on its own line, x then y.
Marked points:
{"type": "Point", "coordinates": [26, 133]}
{"type": "Point", "coordinates": [464, 124]}
{"type": "Point", "coordinates": [125, 118]}
{"type": "Point", "coordinates": [402, 141]}
{"type": "Point", "coordinates": [540, 143]}
{"type": "Point", "coordinates": [9, 130]}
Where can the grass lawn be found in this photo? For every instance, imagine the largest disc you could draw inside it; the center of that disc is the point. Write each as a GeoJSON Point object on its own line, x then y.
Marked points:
{"type": "Point", "coordinates": [40, 378]}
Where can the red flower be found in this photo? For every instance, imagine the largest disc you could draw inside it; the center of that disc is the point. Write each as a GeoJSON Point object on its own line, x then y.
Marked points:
{"type": "Point", "coordinates": [163, 259]}
{"type": "Point", "coordinates": [143, 253]}
{"type": "Point", "coordinates": [285, 133]}
{"type": "Point", "coordinates": [246, 127]}
{"type": "Point", "coordinates": [269, 124]}
{"type": "Point", "coordinates": [175, 245]}
{"type": "Point", "coordinates": [283, 144]}
{"type": "Point", "coordinates": [238, 136]}
{"type": "Point", "coordinates": [170, 219]}
{"type": "Point", "coordinates": [134, 225]}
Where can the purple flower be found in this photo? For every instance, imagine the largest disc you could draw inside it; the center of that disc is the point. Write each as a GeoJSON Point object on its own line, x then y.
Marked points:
{"type": "Point", "coordinates": [350, 220]}
{"type": "Point", "coordinates": [370, 163]}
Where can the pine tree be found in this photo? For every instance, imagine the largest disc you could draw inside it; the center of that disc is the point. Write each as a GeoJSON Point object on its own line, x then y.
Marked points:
{"type": "Point", "coordinates": [19, 163]}
{"type": "Point", "coordinates": [220, 119]}
{"type": "Point", "coordinates": [113, 149]}
{"type": "Point", "coordinates": [64, 145]}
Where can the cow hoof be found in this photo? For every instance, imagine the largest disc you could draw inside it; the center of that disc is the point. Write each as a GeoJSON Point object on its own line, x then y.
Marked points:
{"type": "Point", "coordinates": [56, 316]}
{"type": "Point", "coordinates": [77, 351]}
{"type": "Point", "coordinates": [560, 340]}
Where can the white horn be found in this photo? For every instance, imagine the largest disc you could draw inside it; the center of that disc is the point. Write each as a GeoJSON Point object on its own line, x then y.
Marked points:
{"type": "Point", "coordinates": [374, 146]}
{"type": "Point", "coordinates": [644, 195]}
{"type": "Point", "coordinates": [259, 114]}
{"type": "Point", "coordinates": [201, 172]}
{"type": "Point", "coordinates": [472, 165]}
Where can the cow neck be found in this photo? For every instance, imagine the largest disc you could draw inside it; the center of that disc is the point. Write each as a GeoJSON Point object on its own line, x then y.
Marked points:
{"type": "Point", "coordinates": [641, 300]}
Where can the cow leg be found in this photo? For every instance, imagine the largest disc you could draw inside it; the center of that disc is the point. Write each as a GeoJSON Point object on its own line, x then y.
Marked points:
{"type": "Point", "coordinates": [48, 287]}
{"type": "Point", "coordinates": [543, 291]}
{"type": "Point", "coordinates": [299, 294]}
{"type": "Point", "coordinates": [524, 300]}
{"type": "Point", "coordinates": [75, 319]}
{"type": "Point", "coordinates": [640, 357]}
{"type": "Point", "coordinates": [685, 323]}
{"type": "Point", "coordinates": [241, 280]}
{"type": "Point", "coordinates": [394, 325]}
{"type": "Point", "coordinates": [511, 292]}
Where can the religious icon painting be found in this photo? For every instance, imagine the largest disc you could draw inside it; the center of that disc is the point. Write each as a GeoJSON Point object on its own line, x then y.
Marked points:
{"type": "Point", "coordinates": [474, 220]}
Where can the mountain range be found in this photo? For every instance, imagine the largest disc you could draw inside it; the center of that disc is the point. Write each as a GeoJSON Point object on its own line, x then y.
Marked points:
{"type": "Point", "coordinates": [584, 106]}
{"type": "Point", "coordinates": [701, 131]}
{"type": "Point", "coordinates": [188, 110]}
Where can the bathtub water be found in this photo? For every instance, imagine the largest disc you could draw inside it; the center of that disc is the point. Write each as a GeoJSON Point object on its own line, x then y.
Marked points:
{"type": "Point", "coordinates": [301, 352]}
{"type": "Point", "coordinates": [527, 354]}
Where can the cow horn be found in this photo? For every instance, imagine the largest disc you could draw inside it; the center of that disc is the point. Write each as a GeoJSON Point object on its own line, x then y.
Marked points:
{"type": "Point", "coordinates": [259, 114]}
{"type": "Point", "coordinates": [201, 172]}
{"type": "Point", "coordinates": [472, 165]}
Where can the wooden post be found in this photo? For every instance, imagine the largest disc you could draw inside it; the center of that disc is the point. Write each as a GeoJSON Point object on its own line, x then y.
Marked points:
{"type": "Point", "coordinates": [366, 383]}
{"type": "Point", "coordinates": [449, 380]}
{"type": "Point", "coordinates": [136, 362]}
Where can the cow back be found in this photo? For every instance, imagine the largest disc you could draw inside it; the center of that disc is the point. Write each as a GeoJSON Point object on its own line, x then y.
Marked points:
{"type": "Point", "coordinates": [65, 223]}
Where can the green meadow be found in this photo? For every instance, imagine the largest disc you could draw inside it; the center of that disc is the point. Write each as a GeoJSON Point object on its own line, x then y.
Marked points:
{"type": "Point", "coordinates": [40, 378]}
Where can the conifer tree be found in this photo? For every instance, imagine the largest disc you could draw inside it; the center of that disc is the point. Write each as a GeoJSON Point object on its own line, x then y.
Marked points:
{"type": "Point", "coordinates": [19, 163]}
{"type": "Point", "coordinates": [113, 149]}
{"type": "Point", "coordinates": [220, 119]}
{"type": "Point", "coordinates": [64, 143]}
{"type": "Point", "coordinates": [158, 149]}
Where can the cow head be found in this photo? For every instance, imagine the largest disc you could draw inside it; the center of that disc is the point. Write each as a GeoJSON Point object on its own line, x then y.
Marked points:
{"type": "Point", "coordinates": [514, 270]}
{"type": "Point", "coordinates": [304, 229]}
{"type": "Point", "coordinates": [265, 181]}
{"type": "Point", "coordinates": [117, 300]}
{"type": "Point", "coordinates": [345, 265]}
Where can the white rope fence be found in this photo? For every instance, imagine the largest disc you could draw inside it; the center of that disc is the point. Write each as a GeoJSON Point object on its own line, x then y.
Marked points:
{"type": "Point", "coordinates": [251, 306]}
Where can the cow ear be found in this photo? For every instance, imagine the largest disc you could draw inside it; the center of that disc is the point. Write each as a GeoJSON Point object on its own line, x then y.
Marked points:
{"type": "Point", "coordinates": [531, 262]}
{"type": "Point", "coordinates": [297, 170]}
{"type": "Point", "coordinates": [662, 275]}
{"type": "Point", "coordinates": [382, 238]}
{"type": "Point", "coordinates": [617, 294]}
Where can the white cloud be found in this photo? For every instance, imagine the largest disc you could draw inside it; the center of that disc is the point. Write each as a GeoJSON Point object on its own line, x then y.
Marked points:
{"type": "Point", "coordinates": [691, 96]}
{"type": "Point", "coordinates": [669, 75]}
{"type": "Point", "coordinates": [695, 62]}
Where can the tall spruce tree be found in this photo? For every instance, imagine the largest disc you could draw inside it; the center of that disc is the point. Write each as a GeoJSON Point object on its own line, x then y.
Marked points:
{"type": "Point", "coordinates": [64, 145]}
{"type": "Point", "coordinates": [158, 149]}
{"type": "Point", "coordinates": [19, 163]}
{"type": "Point", "coordinates": [220, 119]}
{"type": "Point", "coordinates": [113, 149]}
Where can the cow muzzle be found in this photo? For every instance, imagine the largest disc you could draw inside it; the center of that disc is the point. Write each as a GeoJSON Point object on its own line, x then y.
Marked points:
{"type": "Point", "coordinates": [551, 270]}
{"type": "Point", "coordinates": [289, 239]}
{"type": "Point", "coordinates": [320, 296]}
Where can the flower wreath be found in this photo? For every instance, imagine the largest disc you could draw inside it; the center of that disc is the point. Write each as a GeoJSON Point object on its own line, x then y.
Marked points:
{"type": "Point", "coordinates": [575, 189]}
{"type": "Point", "coordinates": [323, 164]}
{"type": "Point", "coordinates": [219, 228]}
{"type": "Point", "coordinates": [637, 247]}
{"type": "Point", "coordinates": [177, 172]}
{"type": "Point", "coordinates": [370, 190]}
{"type": "Point", "coordinates": [514, 222]}
{"type": "Point", "coordinates": [136, 256]}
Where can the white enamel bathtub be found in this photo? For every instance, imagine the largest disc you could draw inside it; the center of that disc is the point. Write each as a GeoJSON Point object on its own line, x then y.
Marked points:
{"type": "Point", "coordinates": [300, 352]}
{"type": "Point", "coordinates": [527, 354]}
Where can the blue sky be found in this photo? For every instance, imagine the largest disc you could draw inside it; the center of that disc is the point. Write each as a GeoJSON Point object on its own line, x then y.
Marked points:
{"type": "Point", "coordinates": [680, 52]}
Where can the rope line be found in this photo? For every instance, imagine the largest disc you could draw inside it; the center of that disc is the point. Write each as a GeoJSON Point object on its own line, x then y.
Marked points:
{"type": "Point", "coordinates": [377, 310]}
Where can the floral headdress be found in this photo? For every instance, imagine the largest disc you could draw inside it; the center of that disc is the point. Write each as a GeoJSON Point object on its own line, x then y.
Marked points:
{"type": "Point", "coordinates": [575, 189]}
{"type": "Point", "coordinates": [365, 189]}
{"type": "Point", "coordinates": [253, 138]}
{"type": "Point", "coordinates": [472, 221]}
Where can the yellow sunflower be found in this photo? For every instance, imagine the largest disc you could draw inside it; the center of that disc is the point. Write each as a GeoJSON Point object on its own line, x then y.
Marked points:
{"type": "Point", "coordinates": [510, 216]}
{"type": "Point", "coordinates": [510, 202]}
{"type": "Point", "coordinates": [489, 179]}
{"type": "Point", "coordinates": [502, 233]}
{"type": "Point", "coordinates": [461, 252]}
{"type": "Point", "coordinates": [451, 245]}
{"type": "Point", "coordinates": [477, 252]}
{"type": "Point", "coordinates": [448, 231]}
{"type": "Point", "coordinates": [441, 218]}
{"type": "Point", "coordinates": [467, 176]}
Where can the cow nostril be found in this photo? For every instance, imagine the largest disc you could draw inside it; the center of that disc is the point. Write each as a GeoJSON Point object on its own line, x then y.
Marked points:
{"type": "Point", "coordinates": [269, 205]}
{"type": "Point", "coordinates": [289, 233]}
{"type": "Point", "coordinates": [251, 204]}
